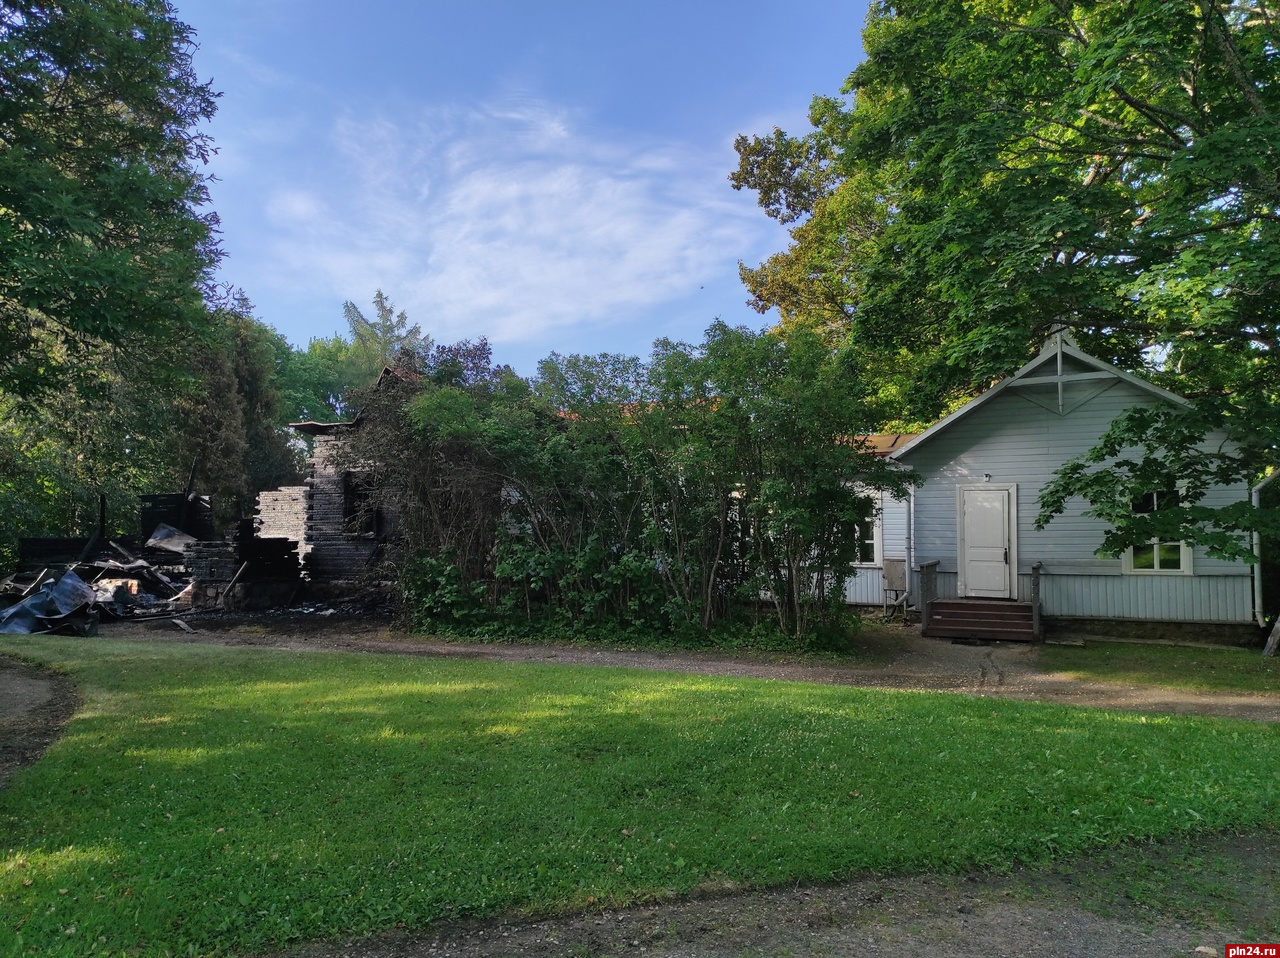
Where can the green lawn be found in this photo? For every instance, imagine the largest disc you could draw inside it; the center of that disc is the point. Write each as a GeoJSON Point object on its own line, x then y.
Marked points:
{"type": "Point", "coordinates": [1193, 669]}
{"type": "Point", "coordinates": [209, 799]}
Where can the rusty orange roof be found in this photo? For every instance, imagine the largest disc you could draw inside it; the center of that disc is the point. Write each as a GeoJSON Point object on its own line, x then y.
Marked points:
{"type": "Point", "coordinates": [884, 443]}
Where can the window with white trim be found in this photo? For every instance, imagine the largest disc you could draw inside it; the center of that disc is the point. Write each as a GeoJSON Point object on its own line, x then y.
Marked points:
{"type": "Point", "coordinates": [1158, 556]}
{"type": "Point", "coordinates": [868, 535]}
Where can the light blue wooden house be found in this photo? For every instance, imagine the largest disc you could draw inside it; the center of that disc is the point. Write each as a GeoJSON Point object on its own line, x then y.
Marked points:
{"type": "Point", "coordinates": [977, 563]}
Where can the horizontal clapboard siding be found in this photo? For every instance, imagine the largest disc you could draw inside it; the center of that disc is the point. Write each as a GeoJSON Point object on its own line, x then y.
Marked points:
{"type": "Point", "coordinates": [1217, 598]}
{"type": "Point", "coordinates": [1014, 439]}
{"type": "Point", "coordinates": [1154, 598]}
{"type": "Point", "coordinates": [894, 528]}
{"type": "Point", "coordinates": [867, 587]}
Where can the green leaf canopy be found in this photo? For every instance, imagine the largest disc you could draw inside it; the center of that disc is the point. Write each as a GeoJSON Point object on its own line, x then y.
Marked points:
{"type": "Point", "coordinates": [103, 241]}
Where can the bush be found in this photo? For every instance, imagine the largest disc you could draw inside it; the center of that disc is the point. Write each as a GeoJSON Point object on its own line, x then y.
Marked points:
{"type": "Point", "coordinates": [438, 600]}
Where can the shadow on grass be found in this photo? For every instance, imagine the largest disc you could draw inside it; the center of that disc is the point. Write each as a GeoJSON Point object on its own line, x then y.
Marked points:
{"type": "Point", "coordinates": [218, 798]}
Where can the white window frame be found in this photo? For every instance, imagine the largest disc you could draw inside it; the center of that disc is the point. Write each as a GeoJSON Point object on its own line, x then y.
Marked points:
{"type": "Point", "coordinates": [1185, 555]}
{"type": "Point", "coordinates": [877, 510]}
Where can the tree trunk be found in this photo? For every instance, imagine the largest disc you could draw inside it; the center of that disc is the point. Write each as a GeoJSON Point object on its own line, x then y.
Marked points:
{"type": "Point", "coordinates": [1273, 640]}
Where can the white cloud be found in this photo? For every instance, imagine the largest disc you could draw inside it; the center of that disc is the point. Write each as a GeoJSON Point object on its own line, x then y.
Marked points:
{"type": "Point", "coordinates": [295, 208]}
{"type": "Point", "coordinates": [505, 221]}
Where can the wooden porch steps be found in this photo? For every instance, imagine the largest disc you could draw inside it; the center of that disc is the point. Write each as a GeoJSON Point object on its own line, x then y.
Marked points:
{"type": "Point", "coordinates": [979, 619]}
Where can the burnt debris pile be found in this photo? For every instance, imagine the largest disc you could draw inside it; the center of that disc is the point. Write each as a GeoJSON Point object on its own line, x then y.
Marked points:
{"type": "Point", "coordinates": [177, 565]}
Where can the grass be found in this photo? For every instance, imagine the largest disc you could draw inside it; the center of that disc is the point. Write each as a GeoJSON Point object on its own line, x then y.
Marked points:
{"type": "Point", "coordinates": [1175, 667]}
{"type": "Point", "coordinates": [209, 800]}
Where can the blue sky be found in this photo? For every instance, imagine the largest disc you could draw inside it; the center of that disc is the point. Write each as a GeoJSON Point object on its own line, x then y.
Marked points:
{"type": "Point", "coordinates": [550, 175]}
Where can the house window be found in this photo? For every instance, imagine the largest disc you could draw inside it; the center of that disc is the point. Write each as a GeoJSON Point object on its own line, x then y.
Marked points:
{"type": "Point", "coordinates": [1168, 556]}
{"type": "Point", "coordinates": [868, 535]}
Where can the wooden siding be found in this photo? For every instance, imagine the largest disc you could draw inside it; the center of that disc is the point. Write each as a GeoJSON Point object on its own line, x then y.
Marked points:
{"type": "Point", "coordinates": [1210, 598]}
{"type": "Point", "coordinates": [1161, 598]}
{"type": "Point", "coordinates": [1015, 438]}
{"type": "Point", "coordinates": [946, 584]}
{"type": "Point", "coordinates": [867, 587]}
{"type": "Point", "coordinates": [895, 530]}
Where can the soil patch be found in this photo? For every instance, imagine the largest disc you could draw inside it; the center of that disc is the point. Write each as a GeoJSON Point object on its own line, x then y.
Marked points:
{"type": "Point", "coordinates": [34, 706]}
{"type": "Point", "coordinates": [1187, 898]}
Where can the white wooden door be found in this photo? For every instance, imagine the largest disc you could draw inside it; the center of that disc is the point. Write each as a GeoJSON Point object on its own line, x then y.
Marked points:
{"type": "Point", "coordinates": [985, 568]}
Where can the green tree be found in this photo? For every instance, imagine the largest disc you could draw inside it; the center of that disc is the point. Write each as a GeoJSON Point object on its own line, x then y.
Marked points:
{"type": "Point", "coordinates": [119, 434]}
{"type": "Point", "coordinates": [586, 542]}
{"type": "Point", "coordinates": [381, 341]}
{"type": "Point", "coordinates": [272, 457]}
{"type": "Point", "coordinates": [136, 424]}
{"type": "Point", "coordinates": [616, 494]}
{"type": "Point", "coordinates": [787, 412]}
{"type": "Point", "coordinates": [231, 412]}
{"type": "Point", "coordinates": [1015, 168]}
{"type": "Point", "coordinates": [103, 239]}
{"type": "Point", "coordinates": [315, 382]}
{"type": "Point", "coordinates": [429, 440]}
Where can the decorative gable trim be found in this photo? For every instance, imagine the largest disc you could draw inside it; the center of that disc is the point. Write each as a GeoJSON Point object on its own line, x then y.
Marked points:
{"type": "Point", "coordinates": [1057, 349]}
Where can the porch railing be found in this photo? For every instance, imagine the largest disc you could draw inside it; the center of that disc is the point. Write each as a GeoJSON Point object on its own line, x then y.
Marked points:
{"type": "Point", "coordinates": [928, 589]}
{"type": "Point", "coordinates": [1035, 601]}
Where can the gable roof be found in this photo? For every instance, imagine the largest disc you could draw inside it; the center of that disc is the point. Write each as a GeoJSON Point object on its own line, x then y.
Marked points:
{"type": "Point", "coordinates": [1058, 349]}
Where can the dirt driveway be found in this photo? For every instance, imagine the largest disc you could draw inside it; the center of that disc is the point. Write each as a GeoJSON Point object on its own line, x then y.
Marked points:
{"type": "Point", "coordinates": [1185, 898]}
{"type": "Point", "coordinates": [894, 656]}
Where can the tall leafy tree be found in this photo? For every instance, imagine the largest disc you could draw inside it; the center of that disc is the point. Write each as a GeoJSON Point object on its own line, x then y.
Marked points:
{"type": "Point", "coordinates": [123, 431]}
{"type": "Point", "coordinates": [103, 239]}
{"type": "Point", "coordinates": [221, 413]}
{"type": "Point", "coordinates": [272, 455]}
{"type": "Point", "coordinates": [316, 382]}
{"type": "Point", "coordinates": [677, 494]}
{"type": "Point", "coordinates": [1001, 170]}
{"type": "Point", "coordinates": [428, 438]}
{"type": "Point", "coordinates": [137, 424]}
{"type": "Point", "coordinates": [786, 413]}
